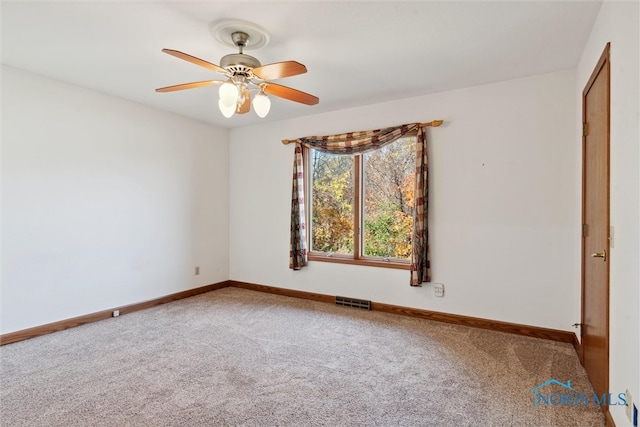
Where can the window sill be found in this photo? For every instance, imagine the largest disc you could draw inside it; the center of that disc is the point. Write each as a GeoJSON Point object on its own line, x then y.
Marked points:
{"type": "Point", "coordinates": [368, 262]}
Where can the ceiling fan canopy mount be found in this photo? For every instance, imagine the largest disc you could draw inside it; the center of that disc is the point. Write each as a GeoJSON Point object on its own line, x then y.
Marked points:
{"type": "Point", "coordinates": [256, 36]}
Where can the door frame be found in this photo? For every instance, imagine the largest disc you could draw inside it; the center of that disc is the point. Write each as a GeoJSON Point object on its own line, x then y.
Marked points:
{"type": "Point", "coordinates": [603, 62]}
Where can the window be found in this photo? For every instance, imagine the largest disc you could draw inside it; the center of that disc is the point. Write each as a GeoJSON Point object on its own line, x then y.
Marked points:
{"type": "Point", "coordinates": [361, 208]}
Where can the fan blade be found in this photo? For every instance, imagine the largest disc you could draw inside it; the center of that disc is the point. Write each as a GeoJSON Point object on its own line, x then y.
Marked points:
{"type": "Point", "coordinates": [290, 94]}
{"type": "Point", "coordinates": [246, 105]}
{"type": "Point", "coordinates": [189, 85]}
{"type": "Point", "coordinates": [194, 60]}
{"type": "Point", "coordinates": [279, 70]}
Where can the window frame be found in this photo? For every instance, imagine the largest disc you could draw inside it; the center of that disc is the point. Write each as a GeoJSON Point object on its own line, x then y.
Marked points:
{"type": "Point", "coordinates": [356, 258]}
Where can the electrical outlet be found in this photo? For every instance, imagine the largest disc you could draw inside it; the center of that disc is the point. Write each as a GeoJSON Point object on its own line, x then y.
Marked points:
{"type": "Point", "coordinates": [438, 289]}
{"type": "Point", "coordinates": [629, 407]}
{"type": "Point", "coordinates": [197, 270]}
{"type": "Point", "coordinates": [116, 313]}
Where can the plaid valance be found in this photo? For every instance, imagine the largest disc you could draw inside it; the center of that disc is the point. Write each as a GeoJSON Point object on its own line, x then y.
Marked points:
{"type": "Point", "coordinates": [357, 142]}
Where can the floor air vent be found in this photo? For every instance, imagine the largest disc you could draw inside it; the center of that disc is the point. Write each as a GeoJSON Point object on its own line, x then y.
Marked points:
{"type": "Point", "coordinates": [352, 302]}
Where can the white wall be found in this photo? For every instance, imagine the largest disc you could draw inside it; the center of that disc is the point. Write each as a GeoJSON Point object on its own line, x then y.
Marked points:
{"type": "Point", "coordinates": [105, 202]}
{"type": "Point", "coordinates": [618, 23]}
{"type": "Point", "coordinates": [505, 203]}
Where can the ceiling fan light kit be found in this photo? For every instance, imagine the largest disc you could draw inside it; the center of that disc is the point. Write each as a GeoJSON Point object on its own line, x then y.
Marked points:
{"type": "Point", "coordinates": [261, 104]}
{"type": "Point", "coordinates": [226, 111]}
{"type": "Point", "coordinates": [228, 93]}
{"type": "Point", "coordinates": [245, 73]}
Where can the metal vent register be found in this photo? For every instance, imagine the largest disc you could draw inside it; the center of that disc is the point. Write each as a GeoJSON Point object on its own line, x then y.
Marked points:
{"type": "Point", "coordinates": [353, 302]}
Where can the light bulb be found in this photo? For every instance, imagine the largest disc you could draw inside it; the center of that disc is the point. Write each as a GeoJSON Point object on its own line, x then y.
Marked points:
{"type": "Point", "coordinates": [262, 104]}
{"type": "Point", "coordinates": [226, 111]}
{"type": "Point", "coordinates": [228, 94]}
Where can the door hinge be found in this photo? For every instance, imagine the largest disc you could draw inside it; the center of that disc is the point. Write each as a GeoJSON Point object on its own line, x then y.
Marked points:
{"type": "Point", "coordinates": [584, 230]}
{"type": "Point", "coordinates": [584, 129]}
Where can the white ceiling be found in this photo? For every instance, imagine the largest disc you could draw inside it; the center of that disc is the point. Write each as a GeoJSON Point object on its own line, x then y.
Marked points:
{"type": "Point", "coordinates": [356, 52]}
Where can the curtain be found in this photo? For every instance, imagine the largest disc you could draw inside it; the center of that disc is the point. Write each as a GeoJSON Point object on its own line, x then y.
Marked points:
{"type": "Point", "coordinates": [420, 256]}
{"type": "Point", "coordinates": [297, 246]}
{"type": "Point", "coordinates": [358, 143]}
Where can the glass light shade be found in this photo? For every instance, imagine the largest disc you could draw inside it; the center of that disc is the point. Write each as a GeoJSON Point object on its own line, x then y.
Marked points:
{"type": "Point", "coordinates": [226, 111]}
{"type": "Point", "coordinates": [228, 94]}
{"type": "Point", "coordinates": [262, 104]}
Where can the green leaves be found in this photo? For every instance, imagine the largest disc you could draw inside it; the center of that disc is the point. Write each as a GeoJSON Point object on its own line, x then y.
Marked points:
{"type": "Point", "coordinates": [332, 210]}
{"type": "Point", "coordinates": [387, 200]}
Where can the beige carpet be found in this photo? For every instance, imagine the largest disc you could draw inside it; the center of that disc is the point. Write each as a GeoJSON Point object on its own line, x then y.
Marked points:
{"type": "Point", "coordinates": [240, 358]}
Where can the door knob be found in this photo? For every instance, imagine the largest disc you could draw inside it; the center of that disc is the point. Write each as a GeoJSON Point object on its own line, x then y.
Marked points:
{"type": "Point", "coordinates": [602, 255]}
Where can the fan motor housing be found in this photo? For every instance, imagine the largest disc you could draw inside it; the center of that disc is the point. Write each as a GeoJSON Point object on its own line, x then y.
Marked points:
{"type": "Point", "coordinates": [239, 60]}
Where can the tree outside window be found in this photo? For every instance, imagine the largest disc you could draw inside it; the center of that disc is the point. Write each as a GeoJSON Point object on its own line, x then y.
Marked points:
{"type": "Point", "coordinates": [362, 205]}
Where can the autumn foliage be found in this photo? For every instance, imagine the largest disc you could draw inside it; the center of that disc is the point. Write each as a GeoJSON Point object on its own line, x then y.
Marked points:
{"type": "Point", "coordinates": [332, 211]}
{"type": "Point", "coordinates": [387, 205]}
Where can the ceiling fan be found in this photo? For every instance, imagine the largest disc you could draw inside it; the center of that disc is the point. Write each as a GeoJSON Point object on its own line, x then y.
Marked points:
{"type": "Point", "coordinates": [245, 74]}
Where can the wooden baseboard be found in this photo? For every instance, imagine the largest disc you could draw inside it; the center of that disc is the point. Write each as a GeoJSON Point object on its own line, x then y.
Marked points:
{"type": "Point", "coordinates": [608, 419]}
{"type": "Point", "coordinates": [474, 322]}
{"type": "Point", "coordinates": [283, 291]}
{"type": "Point", "coordinates": [578, 348]}
{"type": "Point", "coordinates": [104, 314]}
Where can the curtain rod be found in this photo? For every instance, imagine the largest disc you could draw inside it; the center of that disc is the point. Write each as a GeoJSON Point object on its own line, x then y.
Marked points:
{"type": "Point", "coordinates": [435, 124]}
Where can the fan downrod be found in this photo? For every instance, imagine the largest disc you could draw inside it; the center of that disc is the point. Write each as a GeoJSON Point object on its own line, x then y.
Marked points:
{"type": "Point", "coordinates": [239, 62]}
{"type": "Point", "coordinates": [240, 39]}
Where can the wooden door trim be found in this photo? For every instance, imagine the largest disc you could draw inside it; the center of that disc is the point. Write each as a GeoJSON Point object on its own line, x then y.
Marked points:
{"type": "Point", "coordinates": [604, 60]}
{"type": "Point", "coordinates": [603, 63]}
